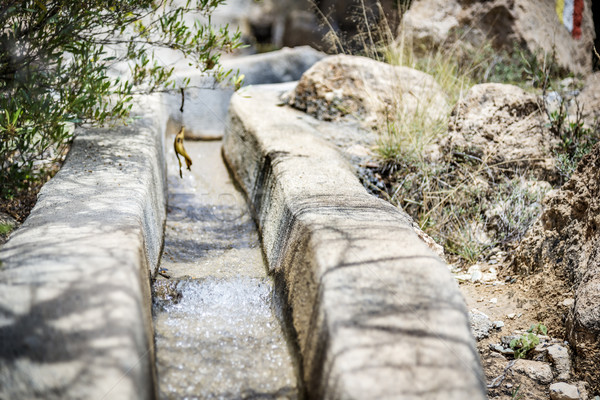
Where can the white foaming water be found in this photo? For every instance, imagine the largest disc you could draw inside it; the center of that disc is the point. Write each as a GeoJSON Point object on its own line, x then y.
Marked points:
{"type": "Point", "coordinates": [222, 340]}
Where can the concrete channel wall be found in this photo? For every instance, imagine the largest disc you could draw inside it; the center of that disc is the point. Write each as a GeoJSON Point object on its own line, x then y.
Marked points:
{"type": "Point", "coordinates": [75, 318]}
{"type": "Point", "coordinates": [376, 313]}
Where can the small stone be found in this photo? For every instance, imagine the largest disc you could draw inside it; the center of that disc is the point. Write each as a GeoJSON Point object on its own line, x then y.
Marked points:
{"type": "Point", "coordinates": [463, 277]}
{"type": "Point", "coordinates": [559, 355]}
{"type": "Point", "coordinates": [536, 370]}
{"type": "Point", "coordinates": [507, 339]}
{"type": "Point", "coordinates": [501, 349]}
{"type": "Point", "coordinates": [476, 276]}
{"type": "Point", "coordinates": [498, 324]}
{"type": "Point", "coordinates": [490, 275]}
{"type": "Point", "coordinates": [540, 353]}
{"type": "Point", "coordinates": [568, 302]}
{"type": "Point", "coordinates": [494, 300]}
{"type": "Point", "coordinates": [583, 388]}
{"type": "Point", "coordinates": [480, 324]}
{"type": "Point", "coordinates": [511, 316]}
{"type": "Point", "coordinates": [563, 391]}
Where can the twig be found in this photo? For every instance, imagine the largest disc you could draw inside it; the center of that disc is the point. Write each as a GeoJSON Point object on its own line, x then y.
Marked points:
{"type": "Point", "coordinates": [182, 99]}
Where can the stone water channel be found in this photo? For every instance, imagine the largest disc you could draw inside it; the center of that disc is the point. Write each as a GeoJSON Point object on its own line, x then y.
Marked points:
{"type": "Point", "coordinates": [218, 328]}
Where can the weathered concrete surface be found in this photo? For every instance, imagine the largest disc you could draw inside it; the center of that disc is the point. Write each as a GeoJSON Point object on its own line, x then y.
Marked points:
{"type": "Point", "coordinates": [376, 313]}
{"type": "Point", "coordinates": [74, 281]}
{"type": "Point", "coordinates": [206, 103]}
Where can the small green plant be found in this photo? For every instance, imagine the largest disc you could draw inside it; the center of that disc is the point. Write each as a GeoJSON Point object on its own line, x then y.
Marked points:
{"type": "Point", "coordinates": [5, 228]}
{"type": "Point", "coordinates": [526, 342]}
{"type": "Point", "coordinates": [576, 139]}
{"type": "Point", "coordinates": [515, 395]}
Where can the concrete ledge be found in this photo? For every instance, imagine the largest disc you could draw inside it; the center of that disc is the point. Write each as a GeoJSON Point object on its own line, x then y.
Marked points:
{"type": "Point", "coordinates": [205, 106]}
{"type": "Point", "coordinates": [75, 317]}
{"type": "Point", "coordinates": [376, 313]}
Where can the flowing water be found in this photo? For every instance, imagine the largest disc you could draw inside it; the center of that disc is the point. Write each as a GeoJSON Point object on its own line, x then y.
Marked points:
{"type": "Point", "coordinates": [217, 327]}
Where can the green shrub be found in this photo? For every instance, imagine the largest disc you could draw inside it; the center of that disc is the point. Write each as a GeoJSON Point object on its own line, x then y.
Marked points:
{"type": "Point", "coordinates": [55, 58]}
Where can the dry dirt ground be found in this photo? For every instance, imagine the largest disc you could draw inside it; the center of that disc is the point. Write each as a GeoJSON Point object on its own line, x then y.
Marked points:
{"type": "Point", "coordinates": [518, 302]}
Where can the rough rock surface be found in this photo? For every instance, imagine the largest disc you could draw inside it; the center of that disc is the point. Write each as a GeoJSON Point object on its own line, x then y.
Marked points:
{"type": "Point", "coordinates": [501, 125]}
{"type": "Point", "coordinates": [566, 242]}
{"type": "Point", "coordinates": [536, 370]}
{"type": "Point", "coordinates": [374, 91]}
{"type": "Point", "coordinates": [559, 355]}
{"type": "Point", "coordinates": [531, 23]}
{"type": "Point", "coordinates": [564, 391]}
{"type": "Point", "coordinates": [481, 325]}
{"type": "Point", "coordinates": [589, 99]}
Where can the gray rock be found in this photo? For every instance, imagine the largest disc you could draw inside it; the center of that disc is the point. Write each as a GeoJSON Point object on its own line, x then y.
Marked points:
{"type": "Point", "coordinates": [536, 370]}
{"type": "Point", "coordinates": [501, 123]}
{"type": "Point", "coordinates": [285, 65]}
{"type": "Point", "coordinates": [507, 339]}
{"type": "Point", "coordinates": [559, 356]}
{"type": "Point", "coordinates": [8, 222]}
{"type": "Point", "coordinates": [481, 325]}
{"type": "Point", "coordinates": [563, 391]}
{"type": "Point", "coordinates": [589, 98]}
{"type": "Point", "coordinates": [501, 349]}
{"type": "Point", "coordinates": [343, 85]}
{"type": "Point", "coordinates": [584, 388]}
{"type": "Point", "coordinates": [505, 22]}
{"type": "Point", "coordinates": [6, 219]}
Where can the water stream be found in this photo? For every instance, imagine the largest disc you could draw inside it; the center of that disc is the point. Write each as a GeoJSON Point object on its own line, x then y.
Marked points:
{"type": "Point", "coordinates": [217, 330]}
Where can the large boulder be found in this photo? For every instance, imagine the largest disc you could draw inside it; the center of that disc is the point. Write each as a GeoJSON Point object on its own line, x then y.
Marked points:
{"type": "Point", "coordinates": [532, 23]}
{"type": "Point", "coordinates": [501, 125]}
{"type": "Point", "coordinates": [566, 242]}
{"type": "Point", "coordinates": [373, 91]}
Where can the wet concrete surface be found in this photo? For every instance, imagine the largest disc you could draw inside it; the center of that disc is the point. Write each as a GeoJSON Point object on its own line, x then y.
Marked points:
{"type": "Point", "coordinates": [217, 330]}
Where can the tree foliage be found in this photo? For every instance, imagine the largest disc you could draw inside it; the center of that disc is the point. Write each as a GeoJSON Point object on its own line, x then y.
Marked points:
{"type": "Point", "coordinates": [56, 68]}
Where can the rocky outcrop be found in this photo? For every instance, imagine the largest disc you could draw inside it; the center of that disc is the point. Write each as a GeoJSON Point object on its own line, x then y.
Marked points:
{"type": "Point", "coordinates": [501, 126]}
{"type": "Point", "coordinates": [589, 99]}
{"type": "Point", "coordinates": [534, 24]}
{"type": "Point", "coordinates": [373, 91]}
{"type": "Point", "coordinates": [566, 242]}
